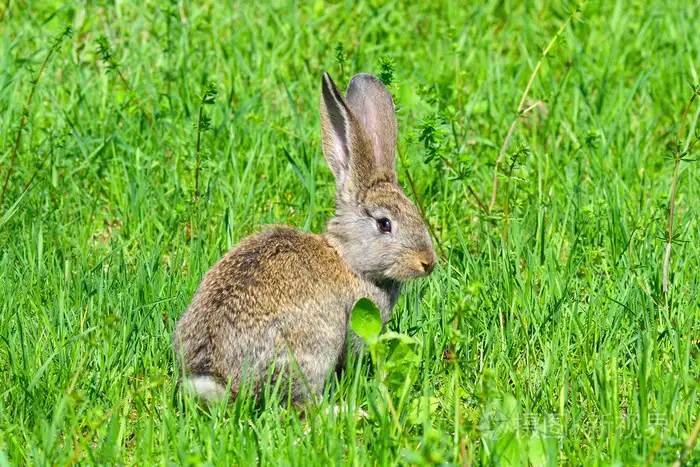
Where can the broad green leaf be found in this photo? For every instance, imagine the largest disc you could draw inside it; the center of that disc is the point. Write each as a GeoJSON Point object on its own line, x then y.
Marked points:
{"type": "Point", "coordinates": [366, 320]}
{"type": "Point", "coordinates": [509, 449]}
{"type": "Point", "coordinates": [402, 357]}
{"type": "Point", "coordinates": [397, 336]}
{"type": "Point", "coordinates": [536, 451]}
{"type": "Point", "coordinates": [422, 409]}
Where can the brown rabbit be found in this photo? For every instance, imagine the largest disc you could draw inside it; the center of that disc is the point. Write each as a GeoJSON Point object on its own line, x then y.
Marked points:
{"type": "Point", "coordinates": [281, 299]}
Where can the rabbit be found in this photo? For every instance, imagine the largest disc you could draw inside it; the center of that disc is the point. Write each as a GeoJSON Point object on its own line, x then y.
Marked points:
{"type": "Point", "coordinates": [281, 299]}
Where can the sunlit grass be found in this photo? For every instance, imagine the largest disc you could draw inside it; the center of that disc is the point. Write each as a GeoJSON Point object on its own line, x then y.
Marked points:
{"type": "Point", "coordinates": [557, 347]}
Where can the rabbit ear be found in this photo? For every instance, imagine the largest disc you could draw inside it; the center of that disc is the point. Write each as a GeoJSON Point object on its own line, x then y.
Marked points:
{"type": "Point", "coordinates": [371, 103]}
{"type": "Point", "coordinates": [335, 128]}
{"type": "Point", "coordinates": [349, 149]}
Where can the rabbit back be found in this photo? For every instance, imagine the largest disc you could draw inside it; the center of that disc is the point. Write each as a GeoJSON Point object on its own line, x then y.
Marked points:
{"type": "Point", "coordinates": [279, 297]}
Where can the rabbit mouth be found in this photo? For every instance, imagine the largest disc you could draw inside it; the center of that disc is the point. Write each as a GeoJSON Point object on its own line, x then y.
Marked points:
{"type": "Point", "coordinates": [413, 266]}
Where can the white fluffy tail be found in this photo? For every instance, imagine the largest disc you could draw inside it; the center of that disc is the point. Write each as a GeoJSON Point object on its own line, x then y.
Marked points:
{"type": "Point", "coordinates": [205, 387]}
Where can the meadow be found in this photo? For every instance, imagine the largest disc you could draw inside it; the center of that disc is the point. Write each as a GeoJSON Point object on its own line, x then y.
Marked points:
{"type": "Point", "coordinates": [153, 136]}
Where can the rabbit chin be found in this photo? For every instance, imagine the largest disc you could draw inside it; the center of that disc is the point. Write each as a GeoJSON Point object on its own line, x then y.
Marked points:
{"type": "Point", "coordinates": [403, 272]}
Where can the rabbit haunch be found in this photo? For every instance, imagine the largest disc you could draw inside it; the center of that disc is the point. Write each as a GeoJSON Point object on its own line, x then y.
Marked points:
{"type": "Point", "coordinates": [280, 300]}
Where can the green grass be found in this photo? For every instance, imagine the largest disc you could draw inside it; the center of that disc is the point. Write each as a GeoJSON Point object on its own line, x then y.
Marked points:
{"type": "Point", "coordinates": [558, 346]}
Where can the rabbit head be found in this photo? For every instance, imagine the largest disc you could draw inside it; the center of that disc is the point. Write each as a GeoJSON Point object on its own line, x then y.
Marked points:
{"type": "Point", "coordinates": [377, 230]}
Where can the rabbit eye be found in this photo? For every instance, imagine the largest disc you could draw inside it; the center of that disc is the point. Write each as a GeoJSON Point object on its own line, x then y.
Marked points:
{"type": "Point", "coordinates": [384, 225]}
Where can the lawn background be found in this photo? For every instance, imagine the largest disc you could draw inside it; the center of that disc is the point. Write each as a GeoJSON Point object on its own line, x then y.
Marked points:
{"type": "Point", "coordinates": [556, 345]}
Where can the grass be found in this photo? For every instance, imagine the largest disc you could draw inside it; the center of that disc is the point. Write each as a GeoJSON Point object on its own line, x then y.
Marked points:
{"type": "Point", "coordinates": [557, 346]}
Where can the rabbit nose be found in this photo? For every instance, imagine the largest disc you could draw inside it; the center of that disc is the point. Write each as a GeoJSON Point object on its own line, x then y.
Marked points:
{"type": "Point", "coordinates": [427, 261]}
{"type": "Point", "coordinates": [428, 267]}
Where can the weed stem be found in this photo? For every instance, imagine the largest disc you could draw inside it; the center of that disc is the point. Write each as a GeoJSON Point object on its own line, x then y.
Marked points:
{"type": "Point", "coordinates": [674, 184]}
{"type": "Point", "coordinates": [198, 158]}
{"type": "Point", "coordinates": [420, 205]}
{"type": "Point", "coordinates": [520, 111]}
{"type": "Point", "coordinates": [25, 110]}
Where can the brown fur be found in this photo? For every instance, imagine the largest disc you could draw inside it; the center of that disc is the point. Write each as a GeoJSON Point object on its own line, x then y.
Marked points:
{"type": "Point", "coordinates": [281, 299]}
